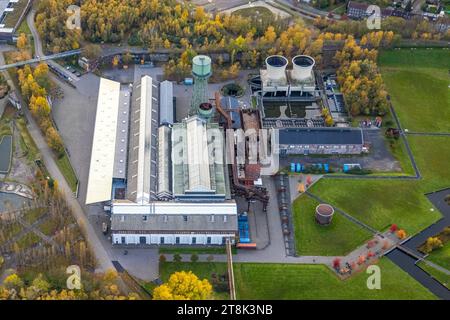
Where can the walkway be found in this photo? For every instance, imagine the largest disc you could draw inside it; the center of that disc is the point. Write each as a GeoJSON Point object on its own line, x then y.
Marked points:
{"type": "Point", "coordinates": [104, 263]}
{"type": "Point", "coordinates": [39, 52]}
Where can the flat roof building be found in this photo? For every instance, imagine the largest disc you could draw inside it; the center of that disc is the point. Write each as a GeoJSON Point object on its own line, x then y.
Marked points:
{"type": "Point", "coordinates": [321, 141]}
{"type": "Point", "coordinates": [102, 165]}
{"type": "Point", "coordinates": [12, 13]}
{"type": "Point", "coordinates": [198, 170]}
{"type": "Point", "coordinates": [142, 165]}
{"type": "Point", "coordinates": [154, 199]}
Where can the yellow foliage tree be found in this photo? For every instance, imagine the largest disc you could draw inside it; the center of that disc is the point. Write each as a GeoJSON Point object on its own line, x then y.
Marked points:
{"type": "Point", "coordinates": [183, 286]}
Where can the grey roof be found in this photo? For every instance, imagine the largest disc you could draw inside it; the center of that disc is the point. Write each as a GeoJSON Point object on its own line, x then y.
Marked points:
{"type": "Point", "coordinates": [166, 102]}
{"type": "Point", "coordinates": [175, 223]}
{"type": "Point", "coordinates": [321, 136]}
{"type": "Point", "coordinates": [3, 6]}
{"type": "Point", "coordinates": [182, 141]}
{"type": "Point", "coordinates": [123, 122]}
{"type": "Point", "coordinates": [150, 134]}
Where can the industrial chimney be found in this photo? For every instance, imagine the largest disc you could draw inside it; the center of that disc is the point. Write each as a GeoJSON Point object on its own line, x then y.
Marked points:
{"type": "Point", "coordinates": [303, 66]}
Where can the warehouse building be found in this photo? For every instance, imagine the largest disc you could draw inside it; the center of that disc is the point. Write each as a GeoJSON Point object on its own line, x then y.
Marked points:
{"type": "Point", "coordinates": [153, 199]}
{"type": "Point", "coordinates": [198, 170]}
{"type": "Point", "coordinates": [107, 174]}
{"type": "Point", "coordinates": [321, 141]}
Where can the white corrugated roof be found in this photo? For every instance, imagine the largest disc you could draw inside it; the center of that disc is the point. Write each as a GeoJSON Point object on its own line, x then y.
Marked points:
{"type": "Point", "coordinates": [104, 143]}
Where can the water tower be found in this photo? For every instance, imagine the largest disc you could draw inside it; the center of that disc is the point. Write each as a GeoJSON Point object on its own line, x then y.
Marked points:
{"type": "Point", "coordinates": [201, 71]}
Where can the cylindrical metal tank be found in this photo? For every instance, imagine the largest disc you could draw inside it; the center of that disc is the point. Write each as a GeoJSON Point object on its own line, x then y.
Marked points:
{"type": "Point", "coordinates": [303, 66]}
{"type": "Point", "coordinates": [324, 214]}
{"type": "Point", "coordinates": [276, 67]}
{"type": "Point", "coordinates": [201, 66]}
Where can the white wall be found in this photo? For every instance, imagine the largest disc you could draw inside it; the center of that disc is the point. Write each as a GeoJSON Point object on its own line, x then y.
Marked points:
{"type": "Point", "coordinates": [201, 239]}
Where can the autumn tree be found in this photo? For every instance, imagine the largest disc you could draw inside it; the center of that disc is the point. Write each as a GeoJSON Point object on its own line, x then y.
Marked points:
{"type": "Point", "coordinates": [183, 286]}
{"type": "Point", "coordinates": [22, 41]}
{"type": "Point", "coordinates": [55, 142]}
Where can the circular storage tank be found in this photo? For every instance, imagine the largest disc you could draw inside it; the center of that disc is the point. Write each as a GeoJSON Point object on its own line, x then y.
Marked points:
{"type": "Point", "coordinates": [201, 66]}
{"type": "Point", "coordinates": [324, 214]}
{"type": "Point", "coordinates": [276, 67]}
{"type": "Point", "coordinates": [303, 66]}
{"type": "Point", "coordinates": [205, 109]}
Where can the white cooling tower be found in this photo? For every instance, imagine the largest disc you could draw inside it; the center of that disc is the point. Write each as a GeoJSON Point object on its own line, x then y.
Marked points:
{"type": "Point", "coordinates": [303, 66]}
{"type": "Point", "coordinates": [276, 67]}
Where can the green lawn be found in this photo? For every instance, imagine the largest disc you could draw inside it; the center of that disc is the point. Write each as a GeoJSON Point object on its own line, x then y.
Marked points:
{"type": "Point", "coordinates": [441, 256]}
{"type": "Point", "coordinates": [432, 155]}
{"type": "Point", "coordinates": [68, 172]}
{"type": "Point", "coordinates": [417, 81]}
{"type": "Point", "coordinates": [203, 270]}
{"type": "Point", "coordinates": [398, 150]}
{"type": "Point", "coordinates": [339, 238]}
{"type": "Point", "coordinates": [380, 203]}
{"type": "Point", "coordinates": [287, 281]}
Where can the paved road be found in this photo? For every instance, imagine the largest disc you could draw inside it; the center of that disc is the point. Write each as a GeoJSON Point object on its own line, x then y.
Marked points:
{"type": "Point", "coordinates": [38, 47]}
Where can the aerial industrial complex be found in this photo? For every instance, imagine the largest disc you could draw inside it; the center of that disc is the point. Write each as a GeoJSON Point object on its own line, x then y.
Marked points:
{"type": "Point", "coordinates": [167, 182]}
{"type": "Point", "coordinates": [173, 182]}
{"type": "Point", "coordinates": [192, 149]}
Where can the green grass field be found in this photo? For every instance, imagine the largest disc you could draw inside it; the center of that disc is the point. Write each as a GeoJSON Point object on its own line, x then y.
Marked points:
{"type": "Point", "coordinates": [441, 256]}
{"type": "Point", "coordinates": [380, 203]}
{"type": "Point", "coordinates": [432, 155]}
{"type": "Point", "coordinates": [339, 238]}
{"type": "Point", "coordinates": [287, 281]}
{"type": "Point", "coordinates": [68, 172]}
{"type": "Point", "coordinates": [417, 81]}
{"type": "Point", "coordinates": [283, 281]}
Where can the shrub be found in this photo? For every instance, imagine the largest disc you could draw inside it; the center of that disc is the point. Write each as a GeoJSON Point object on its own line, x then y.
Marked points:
{"type": "Point", "coordinates": [194, 257]}
{"type": "Point", "coordinates": [177, 257]}
{"type": "Point", "coordinates": [162, 258]}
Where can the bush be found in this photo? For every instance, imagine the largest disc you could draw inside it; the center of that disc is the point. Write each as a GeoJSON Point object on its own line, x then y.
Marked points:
{"type": "Point", "coordinates": [359, 171]}
{"type": "Point", "coordinates": [194, 257]}
{"type": "Point", "coordinates": [232, 89]}
{"type": "Point", "coordinates": [177, 257]}
{"type": "Point", "coordinates": [162, 258]}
